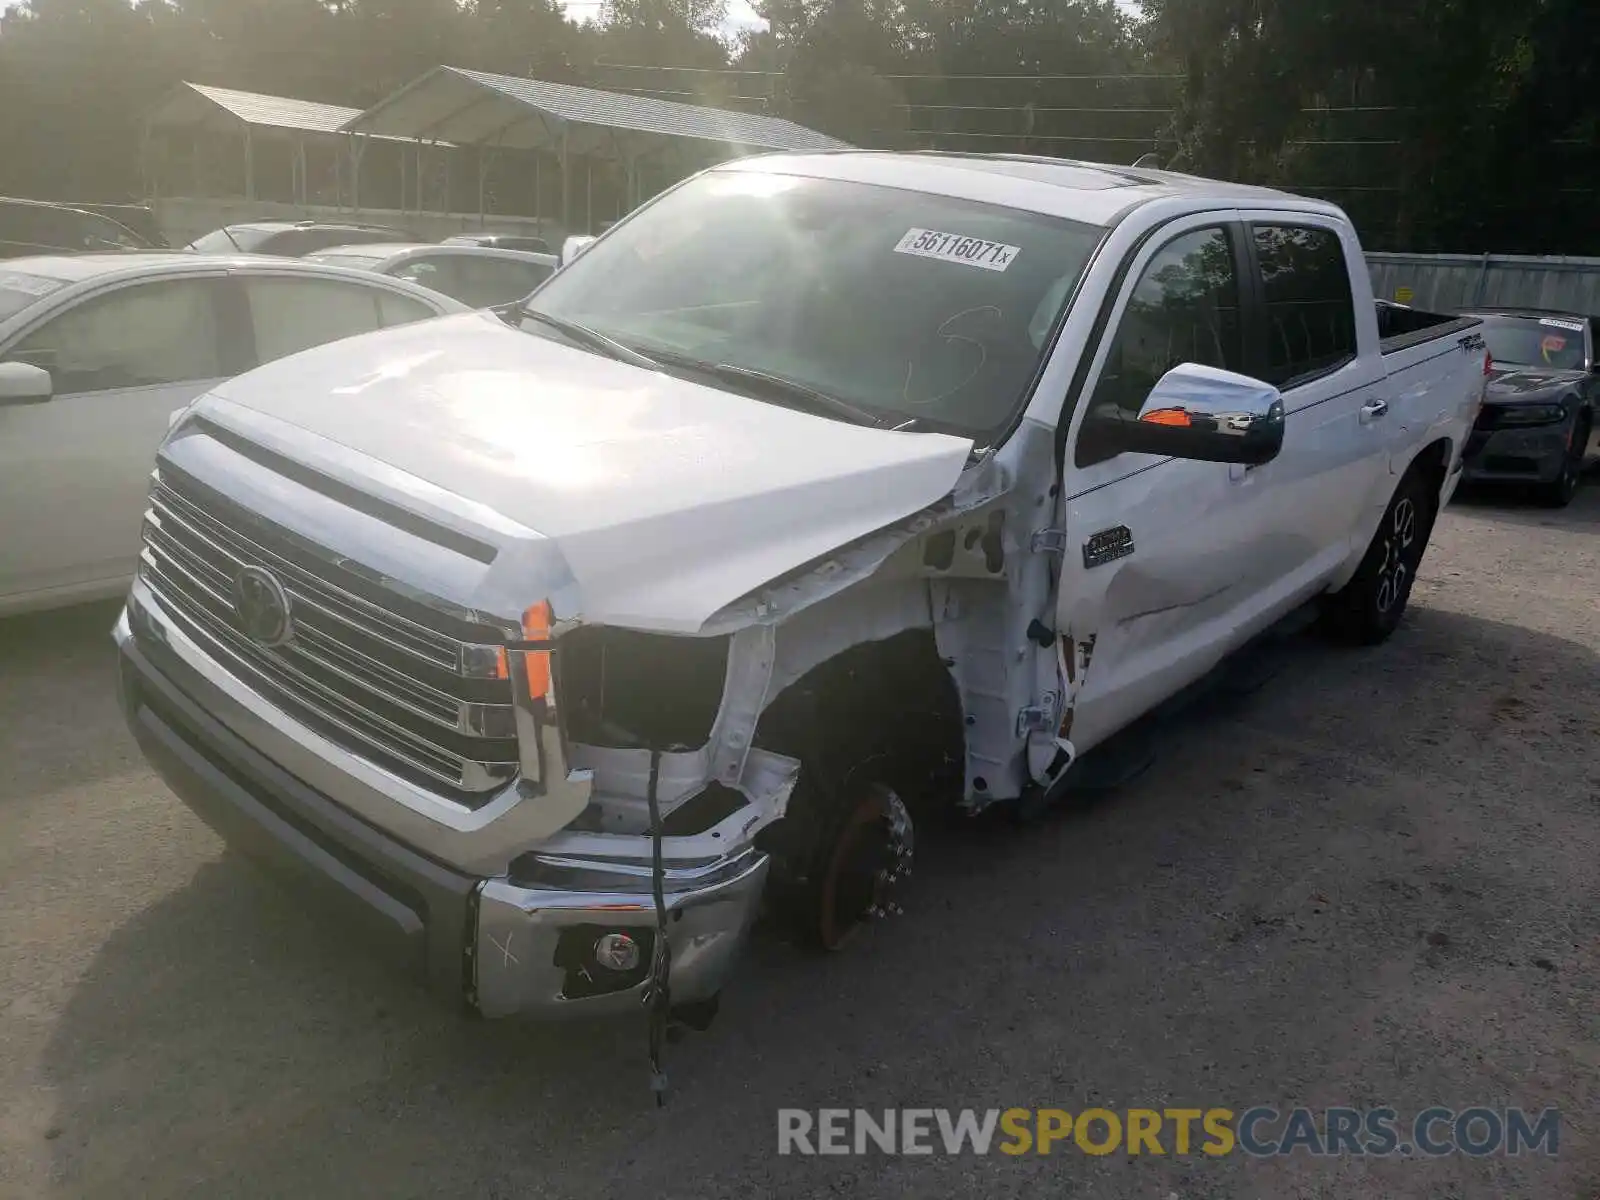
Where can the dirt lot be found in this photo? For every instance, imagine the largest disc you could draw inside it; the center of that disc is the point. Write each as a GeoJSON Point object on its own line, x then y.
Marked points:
{"type": "Point", "coordinates": [1373, 882]}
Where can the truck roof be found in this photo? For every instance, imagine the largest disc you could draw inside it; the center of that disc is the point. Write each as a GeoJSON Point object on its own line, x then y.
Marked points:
{"type": "Point", "coordinates": [1096, 193]}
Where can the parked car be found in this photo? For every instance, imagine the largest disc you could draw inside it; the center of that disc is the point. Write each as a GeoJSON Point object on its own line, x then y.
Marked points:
{"type": "Point", "coordinates": [34, 227]}
{"type": "Point", "coordinates": [293, 239]}
{"type": "Point", "coordinates": [1539, 412]}
{"type": "Point", "coordinates": [476, 276]}
{"type": "Point", "coordinates": [501, 241]}
{"type": "Point", "coordinates": [97, 351]}
{"type": "Point", "coordinates": [820, 494]}
{"type": "Point", "coordinates": [140, 218]}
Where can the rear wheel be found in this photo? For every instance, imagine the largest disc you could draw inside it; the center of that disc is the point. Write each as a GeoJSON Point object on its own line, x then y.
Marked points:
{"type": "Point", "coordinates": [1369, 609]}
{"type": "Point", "coordinates": [1560, 492]}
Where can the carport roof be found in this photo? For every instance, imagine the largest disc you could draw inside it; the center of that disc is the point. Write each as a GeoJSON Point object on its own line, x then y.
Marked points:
{"type": "Point", "coordinates": [476, 108]}
{"type": "Point", "coordinates": [195, 104]}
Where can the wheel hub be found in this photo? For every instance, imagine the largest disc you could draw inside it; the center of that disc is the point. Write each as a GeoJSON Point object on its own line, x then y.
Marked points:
{"type": "Point", "coordinates": [874, 852]}
{"type": "Point", "coordinates": [1400, 537]}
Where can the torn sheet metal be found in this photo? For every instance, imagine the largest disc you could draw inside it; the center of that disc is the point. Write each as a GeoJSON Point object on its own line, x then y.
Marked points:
{"type": "Point", "coordinates": [767, 782]}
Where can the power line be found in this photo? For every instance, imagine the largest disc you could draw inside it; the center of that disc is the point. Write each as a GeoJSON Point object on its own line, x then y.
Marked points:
{"type": "Point", "coordinates": [1033, 78]}
{"type": "Point", "coordinates": [1017, 137]}
{"type": "Point", "coordinates": [1023, 108]}
{"type": "Point", "coordinates": [616, 66]}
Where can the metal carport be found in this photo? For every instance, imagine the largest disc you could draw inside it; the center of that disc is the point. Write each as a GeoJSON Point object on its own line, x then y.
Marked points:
{"type": "Point", "coordinates": [198, 109]}
{"type": "Point", "coordinates": [504, 112]}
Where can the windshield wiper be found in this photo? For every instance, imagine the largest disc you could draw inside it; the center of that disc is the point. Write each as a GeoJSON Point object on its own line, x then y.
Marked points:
{"type": "Point", "coordinates": [582, 334]}
{"type": "Point", "coordinates": [768, 386]}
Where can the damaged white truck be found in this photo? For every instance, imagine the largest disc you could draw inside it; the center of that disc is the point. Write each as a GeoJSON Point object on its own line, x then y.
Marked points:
{"type": "Point", "coordinates": [823, 493]}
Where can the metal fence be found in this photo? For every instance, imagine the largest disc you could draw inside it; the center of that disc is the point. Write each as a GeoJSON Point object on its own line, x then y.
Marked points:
{"type": "Point", "coordinates": [1449, 281]}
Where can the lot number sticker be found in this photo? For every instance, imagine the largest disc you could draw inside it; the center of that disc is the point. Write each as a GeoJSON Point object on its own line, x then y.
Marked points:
{"type": "Point", "coordinates": [1557, 323]}
{"type": "Point", "coordinates": [953, 247]}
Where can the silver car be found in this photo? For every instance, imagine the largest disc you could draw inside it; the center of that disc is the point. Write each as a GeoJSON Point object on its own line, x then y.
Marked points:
{"type": "Point", "coordinates": [98, 350]}
{"type": "Point", "coordinates": [478, 276]}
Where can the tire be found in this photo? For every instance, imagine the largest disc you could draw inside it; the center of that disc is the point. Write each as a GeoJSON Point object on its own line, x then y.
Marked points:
{"type": "Point", "coordinates": [856, 843]}
{"type": "Point", "coordinates": [1370, 607]}
{"type": "Point", "coordinates": [1560, 492]}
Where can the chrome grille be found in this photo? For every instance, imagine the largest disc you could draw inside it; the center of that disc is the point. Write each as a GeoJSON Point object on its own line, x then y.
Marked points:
{"type": "Point", "coordinates": [409, 697]}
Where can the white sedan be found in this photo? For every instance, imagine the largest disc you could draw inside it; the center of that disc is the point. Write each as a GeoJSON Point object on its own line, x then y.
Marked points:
{"type": "Point", "coordinates": [96, 353]}
{"type": "Point", "coordinates": [478, 276]}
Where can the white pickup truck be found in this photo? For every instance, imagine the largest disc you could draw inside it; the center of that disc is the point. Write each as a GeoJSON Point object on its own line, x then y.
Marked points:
{"type": "Point", "coordinates": [822, 493]}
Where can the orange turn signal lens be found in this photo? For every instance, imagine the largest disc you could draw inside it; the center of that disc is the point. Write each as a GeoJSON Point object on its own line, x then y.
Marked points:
{"type": "Point", "coordinates": [536, 628]}
{"type": "Point", "coordinates": [1166, 416]}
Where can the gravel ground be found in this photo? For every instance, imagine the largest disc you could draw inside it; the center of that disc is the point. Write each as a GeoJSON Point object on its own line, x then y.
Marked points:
{"type": "Point", "coordinates": [1371, 882]}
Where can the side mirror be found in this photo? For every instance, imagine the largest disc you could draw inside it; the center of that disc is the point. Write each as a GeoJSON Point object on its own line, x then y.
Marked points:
{"type": "Point", "coordinates": [1198, 413]}
{"type": "Point", "coordinates": [24, 383]}
{"type": "Point", "coordinates": [574, 246]}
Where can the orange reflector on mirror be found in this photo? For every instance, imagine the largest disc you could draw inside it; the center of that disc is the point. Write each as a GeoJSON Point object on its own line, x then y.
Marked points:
{"type": "Point", "coordinates": [1166, 416]}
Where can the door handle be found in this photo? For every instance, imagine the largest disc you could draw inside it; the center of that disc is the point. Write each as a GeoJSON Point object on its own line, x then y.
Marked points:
{"type": "Point", "coordinates": [1376, 410]}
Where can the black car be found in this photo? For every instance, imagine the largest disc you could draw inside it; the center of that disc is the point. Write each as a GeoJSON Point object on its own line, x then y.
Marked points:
{"type": "Point", "coordinates": [501, 241]}
{"type": "Point", "coordinates": [30, 227]}
{"type": "Point", "coordinates": [294, 239]}
{"type": "Point", "coordinates": [1538, 412]}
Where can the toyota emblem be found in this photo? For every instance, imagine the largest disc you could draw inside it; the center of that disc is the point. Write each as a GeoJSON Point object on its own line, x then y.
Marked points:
{"type": "Point", "coordinates": [262, 607]}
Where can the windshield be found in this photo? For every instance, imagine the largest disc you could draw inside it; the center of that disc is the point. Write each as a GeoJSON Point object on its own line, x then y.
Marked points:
{"type": "Point", "coordinates": [230, 241]}
{"type": "Point", "coordinates": [18, 291]}
{"type": "Point", "coordinates": [907, 305]}
{"type": "Point", "coordinates": [362, 262]}
{"type": "Point", "coordinates": [1536, 342]}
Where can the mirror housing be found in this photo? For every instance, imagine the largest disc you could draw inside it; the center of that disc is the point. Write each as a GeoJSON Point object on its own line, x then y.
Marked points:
{"type": "Point", "coordinates": [574, 246]}
{"type": "Point", "coordinates": [1203, 414]}
{"type": "Point", "coordinates": [24, 383]}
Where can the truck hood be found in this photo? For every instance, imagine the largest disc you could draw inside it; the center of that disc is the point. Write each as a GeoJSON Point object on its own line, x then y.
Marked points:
{"type": "Point", "coordinates": [1529, 385]}
{"type": "Point", "coordinates": [664, 500]}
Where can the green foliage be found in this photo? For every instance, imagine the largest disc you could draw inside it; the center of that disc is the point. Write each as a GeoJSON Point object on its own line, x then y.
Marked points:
{"type": "Point", "coordinates": [1440, 124]}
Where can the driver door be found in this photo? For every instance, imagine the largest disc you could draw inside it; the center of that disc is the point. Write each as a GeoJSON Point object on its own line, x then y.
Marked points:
{"type": "Point", "coordinates": [1162, 568]}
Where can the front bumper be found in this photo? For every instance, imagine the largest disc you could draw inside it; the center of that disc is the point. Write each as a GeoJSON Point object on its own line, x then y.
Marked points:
{"type": "Point", "coordinates": [492, 943]}
{"type": "Point", "coordinates": [1530, 454]}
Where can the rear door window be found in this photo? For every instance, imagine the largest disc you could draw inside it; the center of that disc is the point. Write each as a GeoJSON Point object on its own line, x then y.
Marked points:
{"type": "Point", "coordinates": [290, 315]}
{"type": "Point", "coordinates": [1307, 302]}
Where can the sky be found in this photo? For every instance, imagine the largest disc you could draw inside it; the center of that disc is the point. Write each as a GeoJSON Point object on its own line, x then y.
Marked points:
{"type": "Point", "coordinates": [740, 14]}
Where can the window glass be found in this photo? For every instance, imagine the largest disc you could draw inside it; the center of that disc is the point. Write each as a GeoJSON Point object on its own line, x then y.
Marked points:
{"type": "Point", "coordinates": [402, 310]}
{"type": "Point", "coordinates": [1310, 312]}
{"type": "Point", "coordinates": [141, 336]}
{"type": "Point", "coordinates": [1535, 341]}
{"type": "Point", "coordinates": [904, 303]}
{"type": "Point", "coordinates": [361, 262]}
{"type": "Point", "coordinates": [482, 281]}
{"type": "Point", "coordinates": [1184, 309]}
{"type": "Point", "coordinates": [291, 315]}
{"type": "Point", "coordinates": [19, 290]}
{"type": "Point", "coordinates": [436, 273]}
{"type": "Point", "coordinates": [231, 240]}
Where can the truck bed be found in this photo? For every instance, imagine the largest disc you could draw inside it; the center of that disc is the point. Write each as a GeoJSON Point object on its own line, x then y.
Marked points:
{"type": "Point", "coordinates": [1401, 327]}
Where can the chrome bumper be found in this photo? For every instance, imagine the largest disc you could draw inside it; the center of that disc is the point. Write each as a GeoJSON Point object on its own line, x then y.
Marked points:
{"type": "Point", "coordinates": [505, 944]}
